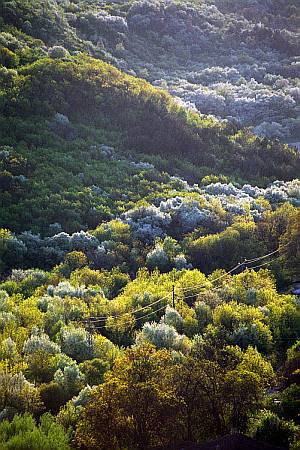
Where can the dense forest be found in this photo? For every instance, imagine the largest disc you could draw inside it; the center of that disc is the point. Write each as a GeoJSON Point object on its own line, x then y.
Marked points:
{"type": "Point", "coordinates": [149, 223]}
{"type": "Point", "coordinates": [234, 59]}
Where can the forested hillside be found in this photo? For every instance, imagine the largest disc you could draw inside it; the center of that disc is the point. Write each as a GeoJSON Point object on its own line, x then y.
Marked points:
{"type": "Point", "coordinates": [237, 60]}
{"type": "Point", "coordinates": [149, 241]}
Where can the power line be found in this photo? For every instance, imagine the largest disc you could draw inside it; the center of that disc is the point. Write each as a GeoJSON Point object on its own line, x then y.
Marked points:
{"type": "Point", "coordinates": [150, 314]}
{"type": "Point", "coordinates": [136, 319]}
{"type": "Point", "coordinates": [96, 320]}
{"type": "Point", "coordinates": [241, 264]}
{"type": "Point", "coordinates": [265, 264]}
{"type": "Point", "coordinates": [267, 255]}
{"type": "Point", "coordinates": [254, 267]}
{"type": "Point", "coordinates": [101, 319]}
{"type": "Point", "coordinates": [199, 286]}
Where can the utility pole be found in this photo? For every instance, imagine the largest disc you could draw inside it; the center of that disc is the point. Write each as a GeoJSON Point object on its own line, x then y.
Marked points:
{"type": "Point", "coordinates": [90, 336]}
{"type": "Point", "coordinates": [173, 288]}
{"type": "Point", "coordinates": [173, 295]}
{"type": "Point", "coordinates": [243, 263]}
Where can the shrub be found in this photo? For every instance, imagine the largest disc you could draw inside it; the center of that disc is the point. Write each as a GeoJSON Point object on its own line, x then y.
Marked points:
{"type": "Point", "coordinates": [23, 432]}
{"type": "Point", "coordinates": [162, 336]}
{"type": "Point", "coordinates": [8, 58]}
{"type": "Point", "coordinates": [58, 52]}
{"type": "Point", "coordinates": [268, 427]}
{"type": "Point", "coordinates": [74, 342]}
{"type": "Point", "coordinates": [40, 342]}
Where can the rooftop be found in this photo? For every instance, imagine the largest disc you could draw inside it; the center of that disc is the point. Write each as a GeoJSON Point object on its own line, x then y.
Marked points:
{"type": "Point", "coordinates": [229, 442]}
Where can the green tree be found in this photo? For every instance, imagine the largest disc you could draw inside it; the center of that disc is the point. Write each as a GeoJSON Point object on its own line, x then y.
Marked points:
{"type": "Point", "coordinates": [94, 370]}
{"type": "Point", "coordinates": [24, 433]}
{"type": "Point", "coordinates": [268, 427]}
{"type": "Point", "coordinates": [8, 58]}
{"type": "Point", "coordinates": [17, 394]}
{"type": "Point", "coordinates": [223, 389]}
{"type": "Point", "coordinates": [132, 408]}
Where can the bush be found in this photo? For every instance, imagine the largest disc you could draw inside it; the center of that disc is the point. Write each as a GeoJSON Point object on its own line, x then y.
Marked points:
{"type": "Point", "coordinates": [58, 52]}
{"type": "Point", "coordinates": [94, 370]}
{"type": "Point", "coordinates": [162, 336]}
{"type": "Point", "coordinates": [74, 342]}
{"type": "Point", "coordinates": [40, 342]}
{"type": "Point", "coordinates": [8, 58]}
{"type": "Point", "coordinates": [158, 259]}
{"type": "Point", "coordinates": [23, 432]}
{"type": "Point", "coordinates": [268, 427]}
{"type": "Point", "coordinates": [53, 396]}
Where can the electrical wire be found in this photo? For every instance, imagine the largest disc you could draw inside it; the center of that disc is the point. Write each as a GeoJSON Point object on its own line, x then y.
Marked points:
{"type": "Point", "coordinates": [243, 264]}
{"type": "Point", "coordinates": [199, 286]}
{"type": "Point", "coordinates": [265, 264]}
{"type": "Point", "coordinates": [254, 267]}
{"type": "Point", "coordinates": [136, 319]}
{"type": "Point", "coordinates": [150, 314]}
{"type": "Point", "coordinates": [267, 255]}
{"type": "Point", "coordinates": [249, 261]}
{"type": "Point", "coordinates": [102, 318]}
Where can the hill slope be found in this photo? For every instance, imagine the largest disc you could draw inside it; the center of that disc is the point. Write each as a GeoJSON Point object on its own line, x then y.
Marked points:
{"type": "Point", "coordinates": [146, 250]}
{"type": "Point", "coordinates": [235, 60]}
{"type": "Point", "coordinates": [55, 110]}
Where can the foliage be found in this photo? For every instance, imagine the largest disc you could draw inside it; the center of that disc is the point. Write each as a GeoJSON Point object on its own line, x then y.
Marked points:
{"type": "Point", "coordinates": [270, 428]}
{"type": "Point", "coordinates": [24, 432]}
{"type": "Point", "coordinates": [148, 239]}
{"type": "Point", "coordinates": [139, 410]}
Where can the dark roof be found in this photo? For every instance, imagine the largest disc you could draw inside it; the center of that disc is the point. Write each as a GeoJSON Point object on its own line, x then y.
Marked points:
{"type": "Point", "coordinates": [237, 442]}
{"type": "Point", "coordinates": [234, 441]}
{"type": "Point", "coordinates": [294, 288]}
